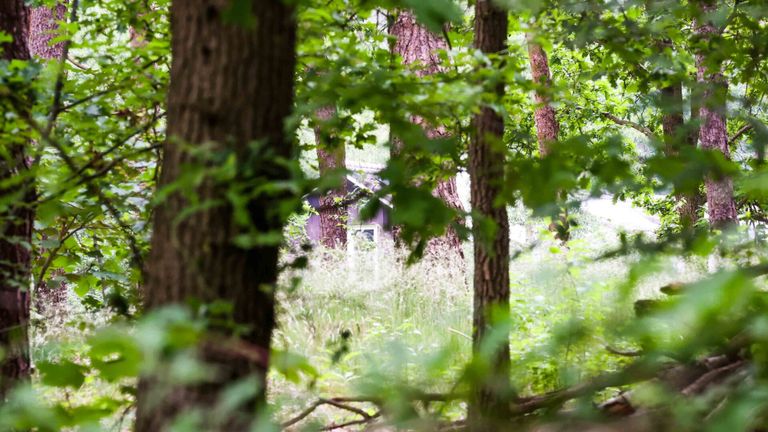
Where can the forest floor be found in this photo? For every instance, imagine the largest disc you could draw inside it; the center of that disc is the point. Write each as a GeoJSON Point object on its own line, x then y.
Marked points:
{"type": "Point", "coordinates": [366, 323]}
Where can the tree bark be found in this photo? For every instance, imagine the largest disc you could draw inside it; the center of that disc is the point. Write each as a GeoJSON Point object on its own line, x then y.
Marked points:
{"type": "Point", "coordinates": [43, 28]}
{"type": "Point", "coordinates": [714, 134]}
{"type": "Point", "coordinates": [676, 133]}
{"type": "Point", "coordinates": [487, 156]}
{"type": "Point", "coordinates": [15, 224]}
{"type": "Point", "coordinates": [333, 213]}
{"type": "Point", "coordinates": [547, 126]}
{"type": "Point", "coordinates": [545, 117]}
{"type": "Point", "coordinates": [416, 45]}
{"type": "Point", "coordinates": [232, 86]}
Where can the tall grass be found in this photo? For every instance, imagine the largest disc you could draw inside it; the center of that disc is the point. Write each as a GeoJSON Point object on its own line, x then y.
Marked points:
{"type": "Point", "coordinates": [401, 320]}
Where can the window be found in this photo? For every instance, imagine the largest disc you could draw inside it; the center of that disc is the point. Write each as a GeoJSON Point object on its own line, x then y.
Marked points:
{"type": "Point", "coordinates": [363, 235]}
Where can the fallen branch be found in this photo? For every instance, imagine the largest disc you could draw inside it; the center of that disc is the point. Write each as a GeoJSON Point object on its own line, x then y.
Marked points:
{"type": "Point", "coordinates": [341, 403]}
{"type": "Point", "coordinates": [635, 373]}
{"type": "Point", "coordinates": [352, 422]}
{"type": "Point", "coordinates": [710, 377]}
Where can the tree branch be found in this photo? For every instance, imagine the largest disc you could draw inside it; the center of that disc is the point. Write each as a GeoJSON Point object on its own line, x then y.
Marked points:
{"type": "Point", "coordinates": [113, 211]}
{"type": "Point", "coordinates": [336, 402]}
{"type": "Point", "coordinates": [744, 129]}
{"type": "Point", "coordinates": [343, 403]}
{"type": "Point", "coordinates": [636, 126]}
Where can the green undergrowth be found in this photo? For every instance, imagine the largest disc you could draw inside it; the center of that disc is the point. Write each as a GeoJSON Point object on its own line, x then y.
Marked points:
{"type": "Point", "coordinates": [369, 317]}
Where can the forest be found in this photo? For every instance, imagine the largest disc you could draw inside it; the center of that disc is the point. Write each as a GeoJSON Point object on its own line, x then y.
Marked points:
{"type": "Point", "coordinates": [383, 215]}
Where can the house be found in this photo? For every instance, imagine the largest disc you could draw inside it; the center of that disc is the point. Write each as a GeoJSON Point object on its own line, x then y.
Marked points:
{"type": "Point", "coordinates": [362, 180]}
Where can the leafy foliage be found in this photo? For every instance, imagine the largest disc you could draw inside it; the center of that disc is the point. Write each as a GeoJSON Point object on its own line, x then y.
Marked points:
{"type": "Point", "coordinates": [93, 127]}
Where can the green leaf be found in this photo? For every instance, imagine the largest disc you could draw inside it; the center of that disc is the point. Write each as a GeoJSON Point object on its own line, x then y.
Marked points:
{"type": "Point", "coordinates": [435, 13]}
{"type": "Point", "coordinates": [114, 354]}
{"type": "Point", "coordinates": [64, 374]}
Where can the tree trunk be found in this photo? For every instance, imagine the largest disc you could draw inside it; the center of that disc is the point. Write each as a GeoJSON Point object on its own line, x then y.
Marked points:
{"type": "Point", "coordinates": [43, 28]}
{"type": "Point", "coordinates": [418, 46]}
{"type": "Point", "coordinates": [333, 213]}
{"type": "Point", "coordinates": [233, 86]}
{"type": "Point", "coordinates": [714, 134]}
{"type": "Point", "coordinates": [15, 223]}
{"type": "Point", "coordinates": [547, 126]}
{"type": "Point", "coordinates": [487, 156]}
{"type": "Point", "coordinates": [677, 133]}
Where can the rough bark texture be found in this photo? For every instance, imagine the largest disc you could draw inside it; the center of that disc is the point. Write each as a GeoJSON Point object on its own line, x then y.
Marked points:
{"type": "Point", "coordinates": [43, 27]}
{"type": "Point", "coordinates": [547, 126]}
{"type": "Point", "coordinates": [15, 224]}
{"type": "Point", "coordinates": [714, 134]}
{"type": "Point", "coordinates": [333, 214]}
{"type": "Point", "coordinates": [418, 46]}
{"type": "Point", "coordinates": [677, 133]}
{"type": "Point", "coordinates": [487, 155]}
{"type": "Point", "coordinates": [232, 86]}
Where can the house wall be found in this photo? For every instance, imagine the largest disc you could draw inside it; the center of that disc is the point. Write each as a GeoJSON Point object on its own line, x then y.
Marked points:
{"type": "Point", "coordinates": [313, 223]}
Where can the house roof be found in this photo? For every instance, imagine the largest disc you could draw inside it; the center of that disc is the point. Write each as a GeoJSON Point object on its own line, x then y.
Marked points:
{"type": "Point", "coordinates": [365, 177]}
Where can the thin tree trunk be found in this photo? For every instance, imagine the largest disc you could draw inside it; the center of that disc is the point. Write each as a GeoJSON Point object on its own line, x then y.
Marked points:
{"type": "Point", "coordinates": [547, 126]}
{"type": "Point", "coordinates": [43, 28]}
{"type": "Point", "coordinates": [15, 224]}
{"type": "Point", "coordinates": [233, 86]}
{"type": "Point", "coordinates": [487, 156]}
{"type": "Point", "coordinates": [714, 134]}
{"type": "Point", "coordinates": [416, 45]}
{"type": "Point", "coordinates": [677, 133]}
{"type": "Point", "coordinates": [333, 213]}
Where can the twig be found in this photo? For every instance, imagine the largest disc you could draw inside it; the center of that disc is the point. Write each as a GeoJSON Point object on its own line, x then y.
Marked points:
{"type": "Point", "coordinates": [78, 65]}
{"type": "Point", "coordinates": [636, 126]}
{"type": "Point", "coordinates": [352, 198]}
{"type": "Point", "coordinates": [103, 200]}
{"type": "Point", "coordinates": [462, 334]}
{"type": "Point", "coordinates": [53, 253]}
{"type": "Point", "coordinates": [744, 129]}
{"type": "Point", "coordinates": [337, 402]}
{"type": "Point", "coordinates": [352, 423]}
{"type": "Point", "coordinates": [343, 403]}
{"type": "Point", "coordinates": [105, 91]}
{"type": "Point", "coordinates": [346, 407]}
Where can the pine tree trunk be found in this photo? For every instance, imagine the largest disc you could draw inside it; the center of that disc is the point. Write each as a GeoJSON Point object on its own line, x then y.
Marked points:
{"type": "Point", "coordinates": [232, 86]}
{"type": "Point", "coordinates": [43, 28]}
{"type": "Point", "coordinates": [677, 133]}
{"type": "Point", "coordinates": [15, 225]}
{"type": "Point", "coordinates": [332, 211]}
{"type": "Point", "coordinates": [714, 134]}
{"type": "Point", "coordinates": [487, 156]}
{"type": "Point", "coordinates": [545, 117]}
{"type": "Point", "coordinates": [418, 46]}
